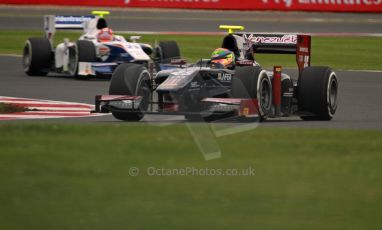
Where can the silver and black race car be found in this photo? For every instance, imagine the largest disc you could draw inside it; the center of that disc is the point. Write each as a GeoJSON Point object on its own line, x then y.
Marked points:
{"type": "Point", "coordinates": [89, 55]}
{"type": "Point", "coordinates": [206, 91]}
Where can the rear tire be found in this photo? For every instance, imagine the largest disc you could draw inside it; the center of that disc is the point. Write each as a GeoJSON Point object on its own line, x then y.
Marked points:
{"type": "Point", "coordinates": [167, 50]}
{"type": "Point", "coordinates": [134, 80]}
{"type": "Point", "coordinates": [37, 57]}
{"type": "Point", "coordinates": [253, 82]}
{"type": "Point", "coordinates": [317, 93]}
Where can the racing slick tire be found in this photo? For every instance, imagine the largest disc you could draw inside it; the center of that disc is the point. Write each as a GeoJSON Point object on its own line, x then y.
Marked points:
{"type": "Point", "coordinates": [317, 93]}
{"type": "Point", "coordinates": [37, 57]}
{"type": "Point", "coordinates": [253, 82]}
{"type": "Point", "coordinates": [134, 80]}
{"type": "Point", "coordinates": [167, 50]}
{"type": "Point", "coordinates": [85, 52]}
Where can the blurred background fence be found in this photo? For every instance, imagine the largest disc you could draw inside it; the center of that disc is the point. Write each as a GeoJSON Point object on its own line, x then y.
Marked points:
{"type": "Point", "coordinates": [279, 5]}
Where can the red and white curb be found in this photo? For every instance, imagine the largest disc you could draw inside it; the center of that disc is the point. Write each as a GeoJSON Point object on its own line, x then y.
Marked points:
{"type": "Point", "coordinates": [43, 109]}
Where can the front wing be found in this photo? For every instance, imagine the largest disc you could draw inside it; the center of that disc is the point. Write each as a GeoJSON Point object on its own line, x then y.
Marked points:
{"type": "Point", "coordinates": [131, 104]}
{"type": "Point", "coordinates": [96, 68]}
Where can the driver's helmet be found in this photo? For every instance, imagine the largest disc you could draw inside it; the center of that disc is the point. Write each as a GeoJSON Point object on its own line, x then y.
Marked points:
{"type": "Point", "coordinates": [223, 59]}
{"type": "Point", "coordinates": [105, 35]}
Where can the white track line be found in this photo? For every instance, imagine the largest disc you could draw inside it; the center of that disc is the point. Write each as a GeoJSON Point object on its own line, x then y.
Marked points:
{"type": "Point", "coordinates": [28, 100]}
{"type": "Point", "coordinates": [38, 101]}
{"type": "Point", "coordinates": [11, 55]}
{"type": "Point", "coordinates": [50, 109]}
{"type": "Point", "coordinates": [17, 117]}
{"type": "Point", "coordinates": [365, 71]}
{"type": "Point", "coordinates": [60, 112]}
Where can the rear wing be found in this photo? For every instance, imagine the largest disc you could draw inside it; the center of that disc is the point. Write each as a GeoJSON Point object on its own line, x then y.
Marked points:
{"type": "Point", "coordinates": [297, 44]}
{"type": "Point", "coordinates": [56, 22]}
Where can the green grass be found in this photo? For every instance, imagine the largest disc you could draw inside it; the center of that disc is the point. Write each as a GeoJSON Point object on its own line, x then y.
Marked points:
{"type": "Point", "coordinates": [337, 52]}
{"type": "Point", "coordinates": [77, 177]}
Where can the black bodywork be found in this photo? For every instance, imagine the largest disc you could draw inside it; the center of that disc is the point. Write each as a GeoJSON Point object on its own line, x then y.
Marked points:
{"type": "Point", "coordinates": [188, 87]}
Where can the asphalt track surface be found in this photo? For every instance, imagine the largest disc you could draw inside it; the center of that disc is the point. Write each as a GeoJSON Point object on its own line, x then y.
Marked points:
{"type": "Point", "coordinates": [359, 98]}
{"type": "Point", "coordinates": [360, 92]}
{"type": "Point", "coordinates": [122, 19]}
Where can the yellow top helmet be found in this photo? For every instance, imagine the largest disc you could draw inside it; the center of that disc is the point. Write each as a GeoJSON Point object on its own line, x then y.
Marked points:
{"type": "Point", "coordinates": [222, 59]}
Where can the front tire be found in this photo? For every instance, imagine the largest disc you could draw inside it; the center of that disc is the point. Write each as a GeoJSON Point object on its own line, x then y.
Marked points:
{"type": "Point", "coordinates": [134, 80]}
{"type": "Point", "coordinates": [253, 82]}
{"type": "Point", "coordinates": [84, 52]}
{"type": "Point", "coordinates": [37, 57]}
{"type": "Point", "coordinates": [317, 93]}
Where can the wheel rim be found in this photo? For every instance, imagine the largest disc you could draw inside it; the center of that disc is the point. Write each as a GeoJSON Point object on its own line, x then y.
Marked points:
{"type": "Point", "coordinates": [144, 90]}
{"type": "Point", "coordinates": [73, 62]}
{"type": "Point", "coordinates": [332, 93]}
{"type": "Point", "coordinates": [26, 57]}
{"type": "Point", "coordinates": [265, 95]}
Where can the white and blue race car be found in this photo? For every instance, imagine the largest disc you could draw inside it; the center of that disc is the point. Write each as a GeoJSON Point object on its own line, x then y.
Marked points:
{"type": "Point", "coordinates": [89, 56]}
